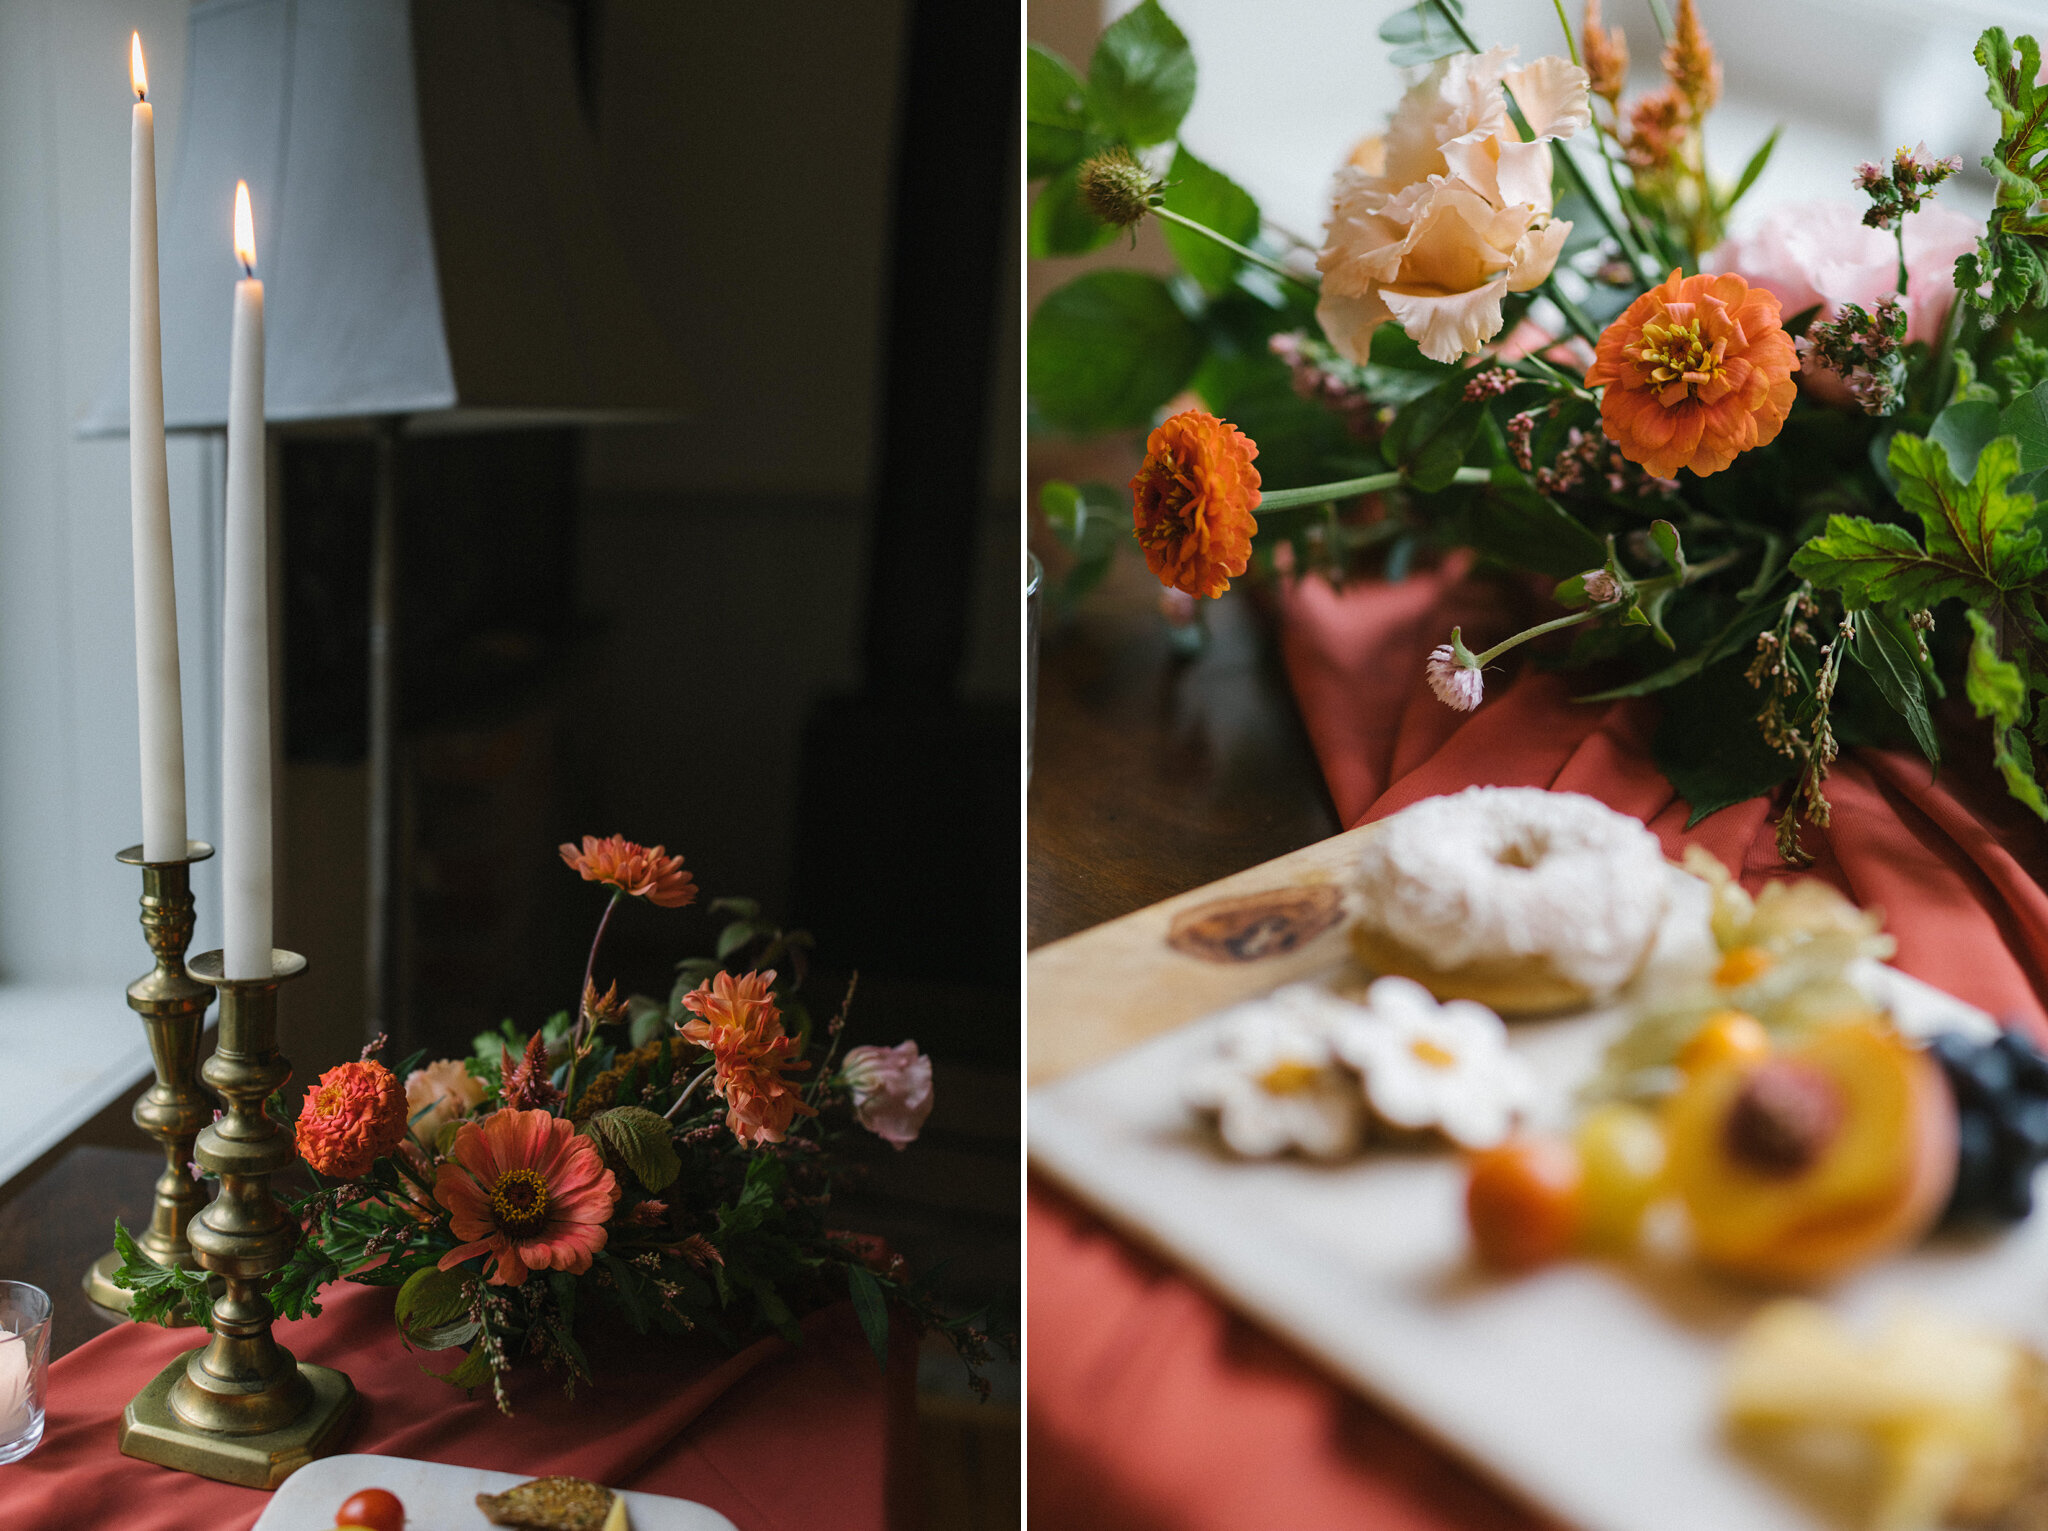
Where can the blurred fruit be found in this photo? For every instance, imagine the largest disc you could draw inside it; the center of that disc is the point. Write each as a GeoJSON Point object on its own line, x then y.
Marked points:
{"type": "Point", "coordinates": [1525, 1202]}
{"type": "Point", "coordinates": [1621, 1159]}
{"type": "Point", "coordinates": [374, 1508]}
{"type": "Point", "coordinates": [1746, 964]}
{"type": "Point", "coordinates": [1726, 1036]}
{"type": "Point", "coordinates": [2001, 1095]}
{"type": "Point", "coordinates": [1809, 1163]}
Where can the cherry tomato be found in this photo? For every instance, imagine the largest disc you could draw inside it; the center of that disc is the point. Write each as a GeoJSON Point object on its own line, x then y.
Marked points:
{"type": "Point", "coordinates": [1525, 1202]}
{"type": "Point", "coordinates": [375, 1509]}
{"type": "Point", "coordinates": [1726, 1036]}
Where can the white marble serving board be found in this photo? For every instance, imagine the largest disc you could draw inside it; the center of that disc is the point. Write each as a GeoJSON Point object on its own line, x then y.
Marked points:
{"type": "Point", "coordinates": [1587, 1389]}
{"type": "Point", "coordinates": [438, 1497]}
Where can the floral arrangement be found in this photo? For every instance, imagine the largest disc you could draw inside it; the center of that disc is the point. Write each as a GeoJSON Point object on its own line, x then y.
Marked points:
{"type": "Point", "coordinates": [1788, 482]}
{"type": "Point", "coordinates": [668, 1165]}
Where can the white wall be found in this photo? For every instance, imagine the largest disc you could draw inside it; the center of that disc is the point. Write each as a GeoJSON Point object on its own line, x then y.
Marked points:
{"type": "Point", "coordinates": [68, 753]}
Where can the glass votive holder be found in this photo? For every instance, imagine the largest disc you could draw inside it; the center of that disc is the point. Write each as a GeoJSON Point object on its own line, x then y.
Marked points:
{"type": "Point", "coordinates": [24, 1367]}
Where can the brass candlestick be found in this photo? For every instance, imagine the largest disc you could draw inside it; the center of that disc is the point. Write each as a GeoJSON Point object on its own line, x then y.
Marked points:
{"type": "Point", "coordinates": [173, 1010]}
{"type": "Point", "coordinates": [240, 1408]}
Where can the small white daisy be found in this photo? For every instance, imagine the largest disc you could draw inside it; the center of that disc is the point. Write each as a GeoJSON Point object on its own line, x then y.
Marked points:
{"type": "Point", "coordinates": [1273, 1083]}
{"type": "Point", "coordinates": [1427, 1065]}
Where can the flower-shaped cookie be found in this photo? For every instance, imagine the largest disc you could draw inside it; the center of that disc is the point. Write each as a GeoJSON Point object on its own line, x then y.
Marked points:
{"type": "Point", "coordinates": [1273, 1082]}
{"type": "Point", "coordinates": [1429, 1066]}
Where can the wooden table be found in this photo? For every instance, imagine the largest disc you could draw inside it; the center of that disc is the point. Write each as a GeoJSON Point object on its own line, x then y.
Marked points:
{"type": "Point", "coordinates": [1153, 773]}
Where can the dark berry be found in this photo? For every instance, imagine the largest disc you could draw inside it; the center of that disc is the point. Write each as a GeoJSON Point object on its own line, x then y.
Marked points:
{"type": "Point", "coordinates": [2001, 1093]}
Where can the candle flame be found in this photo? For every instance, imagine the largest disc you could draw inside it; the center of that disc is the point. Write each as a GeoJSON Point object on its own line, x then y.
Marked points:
{"type": "Point", "coordinates": [245, 229]}
{"type": "Point", "coordinates": [137, 75]}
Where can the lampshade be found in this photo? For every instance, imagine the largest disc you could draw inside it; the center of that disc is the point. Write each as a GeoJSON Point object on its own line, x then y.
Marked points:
{"type": "Point", "coordinates": [428, 224]}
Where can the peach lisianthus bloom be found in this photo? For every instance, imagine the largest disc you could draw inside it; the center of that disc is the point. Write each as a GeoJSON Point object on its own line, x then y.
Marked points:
{"type": "Point", "coordinates": [738, 1020]}
{"type": "Point", "coordinates": [523, 1188]}
{"type": "Point", "coordinates": [633, 869]}
{"type": "Point", "coordinates": [1192, 502]}
{"type": "Point", "coordinates": [1696, 372]}
{"type": "Point", "coordinates": [1457, 214]}
{"type": "Point", "coordinates": [354, 1115]}
{"type": "Point", "coordinates": [437, 1094]}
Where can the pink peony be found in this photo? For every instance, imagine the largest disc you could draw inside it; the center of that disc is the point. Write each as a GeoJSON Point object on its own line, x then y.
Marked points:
{"type": "Point", "coordinates": [438, 1094]}
{"type": "Point", "coordinates": [1457, 686]}
{"type": "Point", "coordinates": [892, 1090]}
{"type": "Point", "coordinates": [1820, 252]}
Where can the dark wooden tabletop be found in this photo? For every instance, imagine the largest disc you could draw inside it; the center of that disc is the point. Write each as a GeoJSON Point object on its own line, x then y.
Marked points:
{"type": "Point", "coordinates": [1154, 772]}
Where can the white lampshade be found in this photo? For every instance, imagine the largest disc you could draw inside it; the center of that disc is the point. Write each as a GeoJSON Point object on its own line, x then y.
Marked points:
{"type": "Point", "coordinates": [428, 225]}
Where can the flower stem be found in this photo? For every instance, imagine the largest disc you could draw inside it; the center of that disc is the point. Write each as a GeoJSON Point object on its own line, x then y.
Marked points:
{"type": "Point", "coordinates": [1569, 46]}
{"type": "Point", "coordinates": [1481, 661]}
{"type": "Point", "coordinates": [1305, 283]}
{"type": "Point", "coordinates": [1349, 488]}
{"type": "Point", "coordinates": [688, 1090]}
{"type": "Point", "coordinates": [576, 1031]}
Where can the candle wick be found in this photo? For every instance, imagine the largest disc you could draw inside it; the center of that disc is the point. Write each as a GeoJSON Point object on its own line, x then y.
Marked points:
{"type": "Point", "coordinates": [141, 95]}
{"type": "Point", "coordinates": [248, 270]}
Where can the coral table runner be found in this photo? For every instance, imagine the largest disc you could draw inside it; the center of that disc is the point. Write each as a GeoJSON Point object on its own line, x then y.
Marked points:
{"type": "Point", "coordinates": [1153, 1408]}
{"type": "Point", "coordinates": [777, 1438]}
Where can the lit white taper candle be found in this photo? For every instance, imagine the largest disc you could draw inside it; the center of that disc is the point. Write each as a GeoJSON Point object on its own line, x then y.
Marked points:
{"type": "Point", "coordinates": [149, 503]}
{"type": "Point", "coordinates": [245, 677]}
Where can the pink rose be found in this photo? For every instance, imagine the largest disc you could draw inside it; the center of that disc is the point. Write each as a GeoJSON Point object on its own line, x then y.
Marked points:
{"type": "Point", "coordinates": [892, 1090]}
{"type": "Point", "coordinates": [1820, 252]}
{"type": "Point", "coordinates": [444, 1090]}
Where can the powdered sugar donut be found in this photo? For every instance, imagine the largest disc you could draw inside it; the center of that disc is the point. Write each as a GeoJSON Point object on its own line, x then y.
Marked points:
{"type": "Point", "coordinates": [1522, 899]}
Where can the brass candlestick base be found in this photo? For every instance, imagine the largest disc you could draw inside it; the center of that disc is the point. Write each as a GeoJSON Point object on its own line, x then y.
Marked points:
{"type": "Point", "coordinates": [173, 1010]}
{"type": "Point", "coordinates": [241, 1409]}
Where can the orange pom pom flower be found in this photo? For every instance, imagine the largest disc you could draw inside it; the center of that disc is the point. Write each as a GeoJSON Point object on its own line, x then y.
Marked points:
{"type": "Point", "coordinates": [739, 1021]}
{"type": "Point", "coordinates": [1192, 503]}
{"type": "Point", "coordinates": [1696, 371]}
{"type": "Point", "coordinates": [633, 869]}
{"type": "Point", "coordinates": [353, 1116]}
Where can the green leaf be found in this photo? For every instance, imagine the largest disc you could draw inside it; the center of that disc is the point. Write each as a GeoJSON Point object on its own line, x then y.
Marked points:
{"type": "Point", "coordinates": [1754, 168]}
{"type": "Point", "coordinates": [1091, 521]}
{"type": "Point", "coordinates": [1665, 535]}
{"type": "Point", "coordinates": [737, 935]}
{"type": "Point", "coordinates": [1998, 690]}
{"type": "Point", "coordinates": [432, 1309]}
{"type": "Point", "coordinates": [1200, 191]}
{"type": "Point", "coordinates": [474, 1371]}
{"type": "Point", "coordinates": [1430, 437]}
{"type": "Point", "coordinates": [1106, 350]}
{"type": "Point", "coordinates": [1886, 647]}
{"type": "Point", "coordinates": [1141, 80]}
{"type": "Point", "coordinates": [1420, 34]}
{"type": "Point", "coordinates": [2026, 420]}
{"type": "Point", "coordinates": [1707, 744]}
{"type": "Point", "coordinates": [1055, 112]}
{"type": "Point", "coordinates": [1961, 430]}
{"type": "Point", "coordinates": [872, 1308]}
{"type": "Point", "coordinates": [1874, 561]}
{"type": "Point", "coordinates": [1975, 526]}
{"type": "Point", "coordinates": [642, 1140]}
{"type": "Point", "coordinates": [1739, 634]}
{"type": "Point", "coordinates": [163, 1294]}
{"type": "Point", "coordinates": [1994, 686]}
{"type": "Point", "coordinates": [1061, 223]}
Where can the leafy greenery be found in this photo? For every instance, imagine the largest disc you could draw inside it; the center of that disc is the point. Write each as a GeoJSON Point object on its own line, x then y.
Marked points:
{"type": "Point", "coordinates": [1107, 350]}
{"type": "Point", "coordinates": [2009, 259]}
{"type": "Point", "coordinates": [163, 1294]}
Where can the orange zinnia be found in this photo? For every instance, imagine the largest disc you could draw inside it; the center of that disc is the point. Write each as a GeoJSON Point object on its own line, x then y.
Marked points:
{"type": "Point", "coordinates": [633, 869]}
{"type": "Point", "coordinates": [1192, 502]}
{"type": "Point", "coordinates": [739, 1021]}
{"type": "Point", "coordinates": [1697, 371]}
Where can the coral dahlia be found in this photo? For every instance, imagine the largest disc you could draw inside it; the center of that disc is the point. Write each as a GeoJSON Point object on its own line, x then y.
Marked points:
{"type": "Point", "coordinates": [633, 869]}
{"type": "Point", "coordinates": [354, 1115]}
{"type": "Point", "coordinates": [523, 1188]}
{"type": "Point", "coordinates": [1696, 371]}
{"type": "Point", "coordinates": [1192, 502]}
{"type": "Point", "coordinates": [739, 1021]}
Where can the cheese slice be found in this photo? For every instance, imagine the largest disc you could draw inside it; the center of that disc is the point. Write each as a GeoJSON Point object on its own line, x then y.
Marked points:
{"type": "Point", "coordinates": [615, 1519]}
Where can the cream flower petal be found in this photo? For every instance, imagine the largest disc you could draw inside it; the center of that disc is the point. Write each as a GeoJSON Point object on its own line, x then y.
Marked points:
{"type": "Point", "coordinates": [1446, 327]}
{"type": "Point", "coordinates": [1554, 96]}
{"type": "Point", "coordinates": [1522, 174]}
{"type": "Point", "coordinates": [1536, 255]}
{"type": "Point", "coordinates": [1348, 322]}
